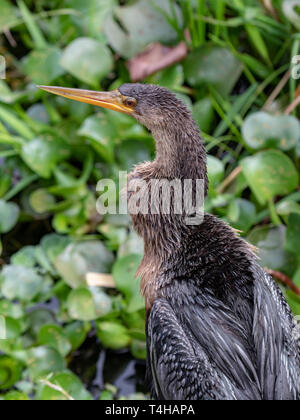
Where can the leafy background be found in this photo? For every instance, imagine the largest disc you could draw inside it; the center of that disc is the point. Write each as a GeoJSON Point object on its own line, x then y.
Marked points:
{"type": "Point", "coordinates": [53, 152]}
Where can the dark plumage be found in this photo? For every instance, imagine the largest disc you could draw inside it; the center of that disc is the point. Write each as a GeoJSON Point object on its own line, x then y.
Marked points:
{"type": "Point", "coordinates": [217, 325]}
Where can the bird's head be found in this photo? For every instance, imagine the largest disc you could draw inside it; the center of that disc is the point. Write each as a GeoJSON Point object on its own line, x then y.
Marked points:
{"type": "Point", "coordinates": [151, 105]}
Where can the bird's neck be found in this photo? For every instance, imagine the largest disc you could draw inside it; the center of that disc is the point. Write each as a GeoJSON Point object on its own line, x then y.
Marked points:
{"type": "Point", "coordinates": [180, 152]}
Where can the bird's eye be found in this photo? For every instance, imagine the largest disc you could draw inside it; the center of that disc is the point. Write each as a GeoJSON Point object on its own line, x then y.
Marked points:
{"type": "Point", "coordinates": [130, 102]}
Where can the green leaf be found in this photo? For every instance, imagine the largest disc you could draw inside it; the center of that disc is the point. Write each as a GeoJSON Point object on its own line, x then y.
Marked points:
{"type": "Point", "coordinates": [270, 242]}
{"type": "Point", "coordinates": [25, 257]}
{"type": "Point", "coordinates": [10, 309]}
{"type": "Point", "coordinates": [285, 208]}
{"type": "Point", "coordinates": [171, 78]}
{"type": "Point", "coordinates": [88, 60]}
{"type": "Point", "coordinates": [203, 113]}
{"type": "Point", "coordinates": [131, 152]}
{"type": "Point", "coordinates": [42, 154]}
{"type": "Point", "coordinates": [113, 335]}
{"type": "Point", "coordinates": [102, 131]}
{"type": "Point", "coordinates": [20, 283]}
{"type": "Point", "coordinates": [9, 215]}
{"type": "Point", "coordinates": [242, 214]}
{"type": "Point", "coordinates": [69, 383]}
{"type": "Point", "coordinates": [81, 258]}
{"type": "Point", "coordinates": [124, 272]}
{"type": "Point", "coordinates": [262, 130]}
{"type": "Point", "coordinates": [81, 305]}
{"type": "Point", "coordinates": [41, 201]}
{"type": "Point", "coordinates": [8, 16]}
{"type": "Point", "coordinates": [91, 15]}
{"type": "Point", "coordinates": [102, 302]}
{"type": "Point", "coordinates": [139, 349]}
{"type": "Point", "coordinates": [43, 66]}
{"type": "Point", "coordinates": [16, 396]}
{"type": "Point", "coordinates": [212, 65]}
{"type": "Point", "coordinates": [143, 24]}
{"type": "Point", "coordinates": [293, 234]}
{"type": "Point", "coordinates": [54, 336]}
{"type": "Point", "coordinates": [54, 245]}
{"type": "Point", "coordinates": [13, 328]}
{"type": "Point", "coordinates": [10, 372]}
{"type": "Point", "coordinates": [269, 174]}
{"type": "Point", "coordinates": [36, 35]}
{"type": "Point", "coordinates": [215, 169]}
{"type": "Point", "coordinates": [44, 360]}
{"type": "Point", "coordinates": [77, 333]}
{"type": "Point", "coordinates": [38, 318]}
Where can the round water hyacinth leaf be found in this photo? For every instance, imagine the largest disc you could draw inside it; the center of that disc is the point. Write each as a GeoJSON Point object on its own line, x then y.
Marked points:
{"type": "Point", "coordinates": [81, 305]}
{"type": "Point", "coordinates": [13, 328]}
{"type": "Point", "coordinates": [54, 245]}
{"type": "Point", "coordinates": [124, 273]}
{"type": "Point", "coordinates": [102, 132]}
{"type": "Point", "coordinates": [88, 60]}
{"type": "Point", "coordinates": [20, 283]}
{"type": "Point", "coordinates": [203, 113]}
{"type": "Point", "coordinates": [216, 170]}
{"type": "Point", "coordinates": [10, 372]}
{"type": "Point", "coordinates": [16, 396]}
{"type": "Point", "coordinates": [9, 214]}
{"type": "Point", "coordinates": [131, 152]}
{"type": "Point", "coordinates": [171, 78]}
{"type": "Point", "coordinates": [13, 310]}
{"type": "Point", "coordinates": [54, 336]}
{"type": "Point", "coordinates": [25, 257]}
{"type": "Point", "coordinates": [291, 10]}
{"type": "Point", "coordinates": [44, 360]}
{"type": "Point", "coordinates": [143, 24]}
{"type": "Point", "coordinates": [38, 318]}
{"type": "Point", "coordinates": [76, 333]}
{"type": "Point", "coordinates": [43, 153]}
{"type": "Point", "coordinates": [262, 130]}
{"type": "Point", "coordinates": [242, 214]}
{"type": "Point", "coordinates": [43, 66]}
{"type": "Point", "coordinates": [139, 349]}
{"type": "Point", "coordinates": [293, 234]}
{"type": "Point", "coordinates": [81, 258]}
{"type": "Point", "coordinates": [270, 243]}
{"type": "Point", "coordinates": [269, 174]}
{"type": "Point", "coordinates": [70, 383]}
{"type": "Point", "coordinates": [102, 302]}
{"type": "Point", "coordinates": [133, 244]}
{"type": "Point", "coordinates": [38, 112]}
{"type": "Point", "coordinates": [285, 208]}
{"type": "Point", "coordinates": [41, 201]}
{"type": "Point", "coordinates": [212, 65]}
{"type": "Point", "coordinates": [90, 23]}
{"type": "Point", "coordinates": [113, 335]}
{"type": "Point", "coordinates": [9, 15]}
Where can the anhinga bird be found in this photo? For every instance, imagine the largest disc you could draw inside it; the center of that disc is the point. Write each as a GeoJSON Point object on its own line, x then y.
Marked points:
{"type": "Point", "coordinates": [218, 327]}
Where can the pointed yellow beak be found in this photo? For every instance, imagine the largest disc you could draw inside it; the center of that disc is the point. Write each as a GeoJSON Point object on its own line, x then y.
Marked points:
{"type": "Point", "coordinates": [111, 100]}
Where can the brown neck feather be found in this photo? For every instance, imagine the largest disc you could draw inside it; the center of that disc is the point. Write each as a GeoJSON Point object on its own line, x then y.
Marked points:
{"type": "Point", "coordinates": [180, 154]}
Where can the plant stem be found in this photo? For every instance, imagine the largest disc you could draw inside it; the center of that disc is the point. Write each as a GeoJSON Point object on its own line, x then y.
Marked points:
{"type": "Point", "coordinates": [273, 213]}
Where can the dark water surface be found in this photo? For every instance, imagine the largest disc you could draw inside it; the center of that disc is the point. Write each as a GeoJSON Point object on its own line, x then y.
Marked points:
{"type": "Point", "coordinates": [97, 367]}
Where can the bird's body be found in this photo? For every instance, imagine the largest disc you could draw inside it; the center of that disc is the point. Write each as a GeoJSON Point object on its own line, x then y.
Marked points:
{"type": "Point", "coordinates": [218, 327]}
